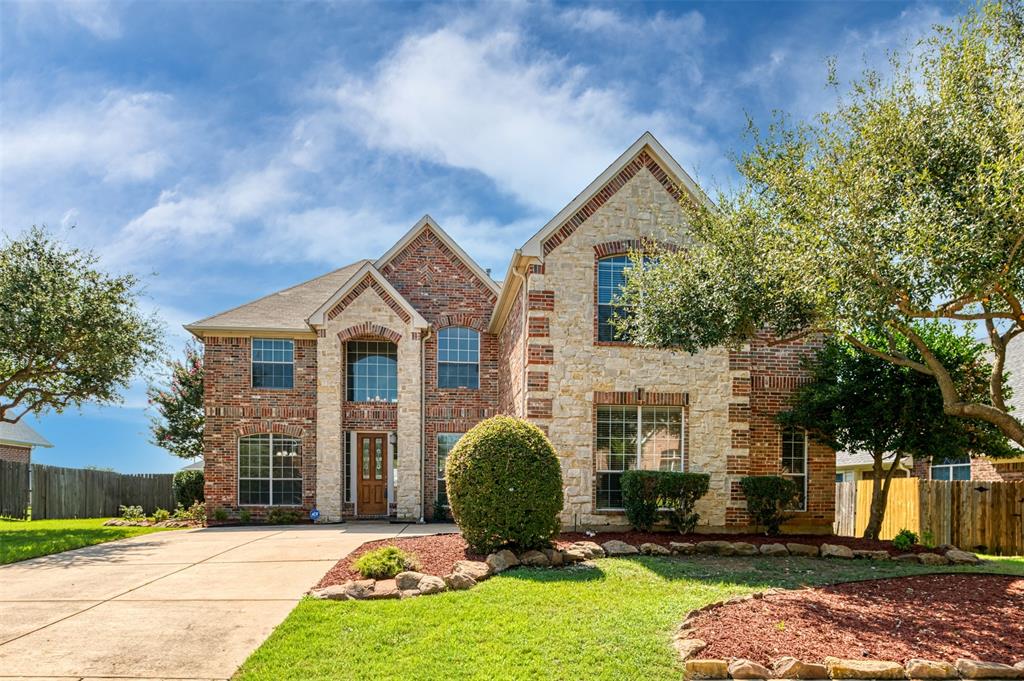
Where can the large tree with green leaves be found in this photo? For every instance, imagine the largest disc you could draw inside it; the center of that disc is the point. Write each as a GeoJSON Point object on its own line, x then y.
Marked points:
{"type": "Point", "coordinates": [70, 332]}
{"type": "Point", "coordinates": [856, 401]}
{"type": "Point", "coordinates": [178, 423]}
{"type": "Point", "coordinates": [903, 204]}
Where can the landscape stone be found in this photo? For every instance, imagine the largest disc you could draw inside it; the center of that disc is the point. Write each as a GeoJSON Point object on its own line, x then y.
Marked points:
{"type": "Point", "coordinates": [688, 647]}
{"type": "Point", "coordinates": [791, 668]}
{"type": "Point", "coordinates": [774, 550]}
{"type": "Point", "coordinates": [359, 588]}
{"type": "Point", "coordinates": [573, 555]}
{"type": "Point", "coordinates": [1019, 665]}
{"type": "Point", "coordinates": [907, 558]}
{"type": "Point", "coordinates": [474, 568]}
{"type": "Point", "coordinates": [715, 548]}
{"type": "Point", "coordinates": [652, 549]}
{"type": "Point", "coordinates": [976, 669]}
{"type": "Point", "coordinates": [334, 592]}
{"type": "Point", "coordinates": [499, 561]}
{"type": "Point", "coordinates": [872, 555]}
{"type": "Point", "coordinates": [591, 549]}
{"type": "Point", "coordinates": [554, 556]}
{"type": "Point", "coordinates": [533, 559]}
{"type": "Point", "coordinates": [742, 548]}
{"type": "Point", "coordinates": [683, 548]}
{"type": "Point", "coordinates": [408, 593]}
{"type": "Point", "coordinates": [431, 584]}
{"type": "Point", "coordinates": [408, 580]}
{"type": "Point", "coordinates": [836, 551]}
{"type": "Point", "coordinates": [614, 547]}
{"type": "Point", "coordinates": [748, 669]}
{"type": "Point", "coordinates": [932, 559]}
{"type": "Point", "coordinates": [863, 669]}
{"type": "Point", "coordinates": [930, 669]}
{"type": "Point", "coordinates": [384, 588]}
{"type": "Point", "coordinates": [459, 581]}
{"type": "Point", "coordinates": [958, 557]}
{"type": "Point", "coordinates": [707, 669]}
{"type": "Point", "coordinates": [802, 549]}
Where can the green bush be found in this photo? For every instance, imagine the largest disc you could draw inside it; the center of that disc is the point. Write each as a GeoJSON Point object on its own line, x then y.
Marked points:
{"type": "Point", "coordinates": [132, 513]}
{"type": "Point", "coordinates": [768, 498]}
{"type": "Point", "coordinates": [220, 514]}
{"type": "Point", "coordinates": [384, 563]}
{"type": "Point", "coordinates": [245, 515]}
{"type": "Point", "coordinates": [188, 487]}
{"type": "Point", "coordinates": [196, 512]}
{"type": "Point", "coordinates": [160, 515]}
{"type": "Point", "coordinates": [505, 485]}
{"type": "Point", "coordinates": [283, 516]}
{"type": "Point", "coordinates": [648, 494]}
{"type": "Point", "coordinates": [904, 540]}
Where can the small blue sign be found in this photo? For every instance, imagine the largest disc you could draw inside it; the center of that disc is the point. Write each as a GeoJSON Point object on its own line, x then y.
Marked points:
{"type": "Point", "coordinates": [314, 515]}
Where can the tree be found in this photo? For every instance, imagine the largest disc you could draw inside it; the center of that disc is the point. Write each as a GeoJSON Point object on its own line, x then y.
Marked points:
{"type": "Point", "coordinates": [857, 401]}
{"type": "Point", "coordinates": [178, 425]}
{"type": "Point", "coordinates": [71, 333]}
{"type": "Point", "coordinates": [902, 205]}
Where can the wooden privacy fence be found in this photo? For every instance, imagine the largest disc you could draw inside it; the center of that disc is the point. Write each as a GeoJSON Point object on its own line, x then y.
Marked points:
{"type": "Point", "coordinates": [14, 489]}
{"type": "Point", "coordinates": [79, 493]}
{"type": "Point", "coordinates": [971, 514]}
{"type": "Point", "coordinates": [846, 509]}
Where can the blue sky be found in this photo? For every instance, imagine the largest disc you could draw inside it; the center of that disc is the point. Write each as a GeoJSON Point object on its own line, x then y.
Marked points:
{"type": "Point", "coordinates": [225, 150]}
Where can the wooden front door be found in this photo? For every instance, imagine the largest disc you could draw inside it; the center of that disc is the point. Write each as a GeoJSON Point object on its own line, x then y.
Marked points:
{"type": "Point", "coordinates": [371, 453]}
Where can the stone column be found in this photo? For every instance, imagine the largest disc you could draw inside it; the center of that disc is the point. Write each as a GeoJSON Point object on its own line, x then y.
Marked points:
{"type": "Point", "coordinates": [409, 490]}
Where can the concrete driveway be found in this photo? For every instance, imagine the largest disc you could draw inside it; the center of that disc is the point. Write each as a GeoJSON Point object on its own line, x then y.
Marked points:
{"type": "Point", "coordinates": [183, 605]}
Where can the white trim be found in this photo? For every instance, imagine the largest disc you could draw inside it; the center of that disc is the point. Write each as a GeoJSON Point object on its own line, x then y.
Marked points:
{"type": "Point", "coordinates": [427, 222]}
{"type": "Point", "coordinates": [390, 454]}
{"type": "Point", "coordinates": [535, 246]}
{"type": "Point", "coordinates": [318, 317]}
{"type": "Point", "coordinates": [951, 466]}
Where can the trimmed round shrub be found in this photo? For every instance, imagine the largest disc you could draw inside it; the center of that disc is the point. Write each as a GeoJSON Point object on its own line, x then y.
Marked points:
{"type": "Point", "coordinates": [384, 563]}
{"type": "Point", "coordinates": [505, 485]}
{"type": "Point", "coordinates": [188, 487]}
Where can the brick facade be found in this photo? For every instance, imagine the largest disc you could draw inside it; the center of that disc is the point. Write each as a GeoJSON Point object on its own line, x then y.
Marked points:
{"type": "Point", "coordinates": [983, 469]}
{"type": "Point", "coordinates": [15, 453]}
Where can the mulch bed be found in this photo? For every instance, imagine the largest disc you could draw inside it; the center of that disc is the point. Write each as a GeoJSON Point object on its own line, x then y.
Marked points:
{"type": "Point", "coordinates": [437, 553]}
{"type": "Point", "coordinates": [939, 617]}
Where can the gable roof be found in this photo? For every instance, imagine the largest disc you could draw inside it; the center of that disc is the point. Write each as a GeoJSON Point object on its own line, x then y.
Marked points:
{"type": "Point", "coordinates": [853, 459]}
{"type": "Point", "coordinates": [285, 310]}
{"type": "Point", "coordinates": [425, 223]}
{"type": "Point", "coordinates": [21, 434]}
{"type": "Point", "coordinates": [367, 270]}
{"type": "Point", "coordinates": [646, 142]}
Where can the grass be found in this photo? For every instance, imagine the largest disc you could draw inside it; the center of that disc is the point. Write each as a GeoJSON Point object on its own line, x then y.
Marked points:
{"type": "Point", "coordinates": [611, 622]}
{"type": "Point", "coordinates": [23, 539]}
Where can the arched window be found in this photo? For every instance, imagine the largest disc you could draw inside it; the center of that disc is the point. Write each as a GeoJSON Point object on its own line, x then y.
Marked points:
{"type": "Point", "coordinates": [372, 371]}
{"type": "Point", "coordinates": [458, 358]}
{"type": "Point", "coordinates": [269, 471]}
{"type": "Point", "coordinates": [611, 278]}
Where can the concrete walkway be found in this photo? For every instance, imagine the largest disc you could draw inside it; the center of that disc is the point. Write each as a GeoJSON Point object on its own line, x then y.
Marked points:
{"type": "Point", "coordinates": [170, 605]}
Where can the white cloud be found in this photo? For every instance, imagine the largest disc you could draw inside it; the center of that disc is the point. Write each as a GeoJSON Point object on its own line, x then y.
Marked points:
{"type": "Point", "coordinates": [99, 17]}
{"type": "Point", "coordinates": [528, 121]}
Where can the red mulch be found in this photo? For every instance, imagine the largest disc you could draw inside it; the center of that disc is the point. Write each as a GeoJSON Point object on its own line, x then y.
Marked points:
{"type": "Point", "coordinates": [939, 617]}
{"type": "Point", "coordinates": [437, 553]}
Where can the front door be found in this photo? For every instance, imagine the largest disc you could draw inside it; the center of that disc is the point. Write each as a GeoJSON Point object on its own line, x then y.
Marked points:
{"type": "Point", "coordinates": [372, 492]}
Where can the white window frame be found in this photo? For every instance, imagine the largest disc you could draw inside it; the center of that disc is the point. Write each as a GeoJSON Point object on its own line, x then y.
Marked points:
{"type": "Point", "coordinates": [437, 456]}
{"type": "Point", "coordinates": [951, 466]}
{"type": "Point", "coordinates": [639, 446]}
{"type": "Point", "coordinates": [806, 474]}
{"type": "Point", "coordinates": [252, 362]}
{"type": "Point", "coordinates": [479, 342]}
{"type": "Point", "coordinates": [270, 478]}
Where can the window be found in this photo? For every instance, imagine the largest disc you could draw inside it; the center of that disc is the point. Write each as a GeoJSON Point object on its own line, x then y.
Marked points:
{"type": "Point", "coordinates": [794, 463]}
{"type": "Point", "coordinates": [845, 476]}
{"type": "Point", "coordinates": [273, 362]}
{"type": "Point", "coordinates": [268, 471]}
{"type": "Point", "coordinates": [458, 358]}
{"type": "Point", "coordinates": [617, 447]}
{"type": "Point", "coordinates": [958, 468]}
{"type": "Point", "coordinates": [372, 371]}
{"type": "Point", "coordinates": [445, 443]}
{"type": "Point", "coordinates": [611, 277]}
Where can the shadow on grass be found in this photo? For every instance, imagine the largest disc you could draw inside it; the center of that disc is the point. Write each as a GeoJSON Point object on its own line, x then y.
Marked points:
{"type": "Point", "coordinates": [56, 547]}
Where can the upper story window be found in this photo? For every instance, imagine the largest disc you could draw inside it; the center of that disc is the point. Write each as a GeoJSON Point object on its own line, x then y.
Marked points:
{"type": "Point", "coordinates": [372, 371]}
{"type": "Point", "coordinates": [458, 358]}
{"type": "Point", "coordinates": [958, 468]}
{"type": "Point", "coordinates": [611, 279]}
{"type": "Point", "coordinates": [269, 473]}
{"type": "Point", "coordinates": [794, 463]}
{"type": "Point", "coordinates": [273, 363]}
{"type": "Point", "coordinates": [629, 437]}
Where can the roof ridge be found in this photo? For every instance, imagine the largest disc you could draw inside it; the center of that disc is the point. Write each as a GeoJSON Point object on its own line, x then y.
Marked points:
{"type": "Point", "coordinates": [359, 262]}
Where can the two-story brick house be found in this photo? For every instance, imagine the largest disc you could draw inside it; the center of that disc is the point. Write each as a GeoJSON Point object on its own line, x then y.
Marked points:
{"type": "Point", "coordinates": [346, 392]}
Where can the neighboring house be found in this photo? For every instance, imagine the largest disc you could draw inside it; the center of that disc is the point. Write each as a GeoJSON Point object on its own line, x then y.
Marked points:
{"type": "Point", "coordinates": [852, 466]}
{"type": "Point", "coordinates": [347, 392]}
{"type": "Point", "coordinates": [981, 468]}
{"type": "Point", "coordinates": [194, 466]}
{"type": "Point", "coordinates": [17, 441]}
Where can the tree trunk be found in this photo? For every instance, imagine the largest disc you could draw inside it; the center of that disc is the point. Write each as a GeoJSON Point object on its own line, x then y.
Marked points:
{"type": "Point", "coordinates": [879, 493]}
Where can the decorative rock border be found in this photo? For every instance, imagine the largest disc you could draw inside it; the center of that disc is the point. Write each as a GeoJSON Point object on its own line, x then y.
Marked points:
{"type": "Point", "coordinates": [467, 573]}
{"type": "Point", "coordinates": [171, 522]}
{"type": "Point", "coordinates": [840, 669]}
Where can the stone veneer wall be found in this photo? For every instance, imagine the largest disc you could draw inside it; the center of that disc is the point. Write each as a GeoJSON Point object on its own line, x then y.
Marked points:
{"type": "Point", "coordinates": [234, 408]}
{"type": "Point", "coordinates": [15, 453]}
{"type": "Point", "coordinates": [368, 308]}
{"type": "Point", "coordinates": [511, 361]}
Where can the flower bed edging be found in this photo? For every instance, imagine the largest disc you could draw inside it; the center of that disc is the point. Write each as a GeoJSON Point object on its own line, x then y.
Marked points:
{"type": "Point", "coordinates": [467, 573]}
{"type": "Point", "coordinates": [837, 669]}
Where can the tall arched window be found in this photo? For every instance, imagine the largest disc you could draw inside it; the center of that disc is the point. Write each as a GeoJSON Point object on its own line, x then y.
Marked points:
{"type": "Point", "coordinates": [269, 471]}
{"type": "Point", "coordinates": [458, 358]}
{"type": "Point", "coordinates": [372, 371]}
{"type": "Point", "coordinates": [611, 277]}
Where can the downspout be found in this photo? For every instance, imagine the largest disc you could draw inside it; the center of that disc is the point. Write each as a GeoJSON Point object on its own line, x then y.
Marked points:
{"type": "Point", "coordinates": [523, 278]}
{"type": "Point", "coordinates": [423, 424]}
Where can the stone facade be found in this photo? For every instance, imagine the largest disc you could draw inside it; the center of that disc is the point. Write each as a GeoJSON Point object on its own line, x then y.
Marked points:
{"type": "Point", "coordinates": [15, 453]}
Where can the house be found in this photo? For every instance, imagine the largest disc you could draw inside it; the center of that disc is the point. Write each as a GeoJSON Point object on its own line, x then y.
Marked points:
{"type": "Point", "coordinates": [347, 391]}
{"type": "Point", "coordinates": [853, 466]}
{"type": "Point", "coordinates": [17, 441]}
{"type": "Point", "coordinates": [194, 466]}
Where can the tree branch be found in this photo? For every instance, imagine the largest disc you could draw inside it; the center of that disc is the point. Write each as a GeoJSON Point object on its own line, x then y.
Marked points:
{"type": "Point", "coordinates": [895, 359]}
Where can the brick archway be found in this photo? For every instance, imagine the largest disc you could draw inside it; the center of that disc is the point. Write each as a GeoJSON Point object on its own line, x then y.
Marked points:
{"type": "Point", "coordinates": [461, 319]}
{"type": "Point", "coordinates": [369, 329]}
{"type": "Point", "coordinates": [624, 246]}
{"type": "Point", "coordinates": [261, 427]}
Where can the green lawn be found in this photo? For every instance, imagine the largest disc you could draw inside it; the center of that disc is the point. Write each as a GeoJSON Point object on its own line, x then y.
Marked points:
{"type": "Point", "coordinates": [612, 622]}
{"type": "Point", "coordinates": [21, 539]}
